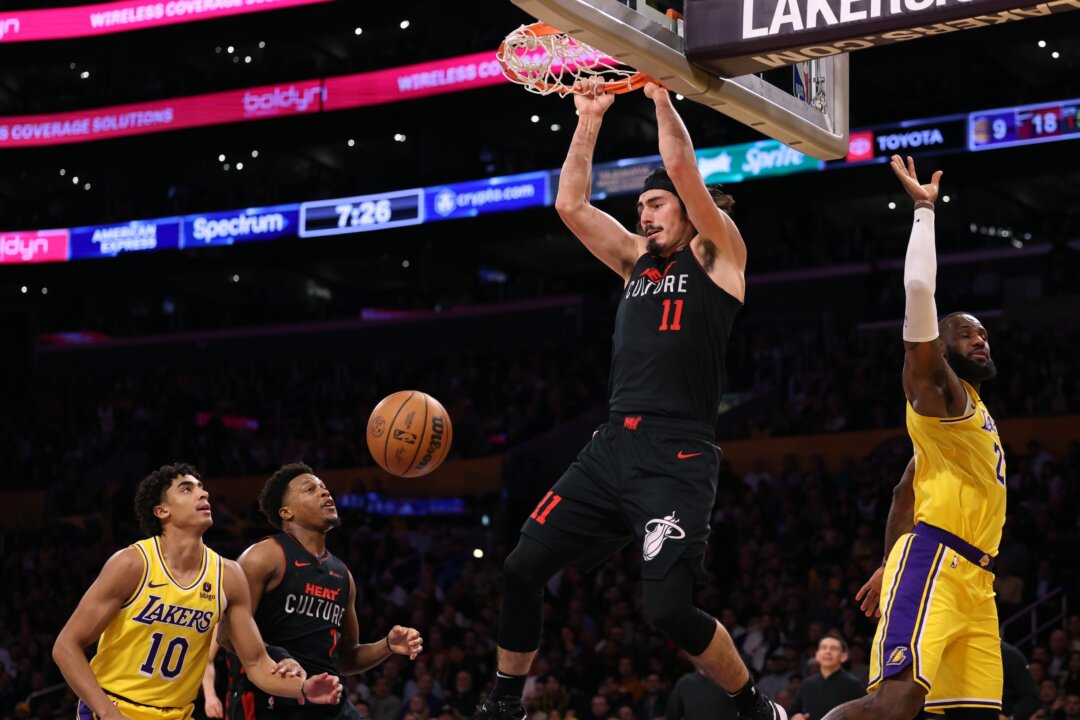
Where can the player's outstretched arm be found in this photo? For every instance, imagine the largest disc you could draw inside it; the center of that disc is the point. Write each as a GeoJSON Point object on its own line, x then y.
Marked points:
{"type": "Point", "coordinates": [602, 234]}
{"type": "Point", "coordinates": [929, 384]}
{"type": "Point", "coordinates": [120, 578]}
{"type": "Point", "coordinates": [712, 223]}
{"type": "Point", "coordinates": [260, 668]}
{"type": "Point", "coordinates": [901, 520]}
{"type": "Point", "coordinates": [357, 658]}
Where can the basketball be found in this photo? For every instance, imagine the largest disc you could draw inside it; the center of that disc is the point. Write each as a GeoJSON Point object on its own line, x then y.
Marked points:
{"type": "Point", "coordinates": [409, 433]}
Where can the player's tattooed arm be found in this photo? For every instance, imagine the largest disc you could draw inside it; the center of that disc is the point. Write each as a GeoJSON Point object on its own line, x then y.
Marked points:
{"type": "Point", "coordinates": [356, 657]}
{"type": "Point", "coordinates": [711, 223]}
{"type": "Point", "coordinates": [120, 578]}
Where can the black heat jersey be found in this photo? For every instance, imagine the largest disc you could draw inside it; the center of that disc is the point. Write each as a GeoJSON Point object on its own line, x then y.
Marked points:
{"type": "Point", "coordinates": [304, 613]}
{"type": "Point", "coordinates": [671, 334]}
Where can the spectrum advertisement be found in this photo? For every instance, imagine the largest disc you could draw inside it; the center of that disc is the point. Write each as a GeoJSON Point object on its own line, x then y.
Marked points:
{"type": "Point", "coordinates": [113, 17]}
{"type": "Point", "coordinates": [480, 197]}
{"type": "Point", "coordinates": [239, 226]}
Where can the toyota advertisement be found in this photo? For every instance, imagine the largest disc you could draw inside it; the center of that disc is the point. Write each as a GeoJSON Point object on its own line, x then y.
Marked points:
{"type": "Point", "coordinates": [933, 135]}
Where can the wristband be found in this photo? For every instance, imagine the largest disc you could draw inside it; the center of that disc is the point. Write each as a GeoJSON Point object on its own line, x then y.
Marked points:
{"type": "Point", "coordinates": [926, 204]}
{"type": "Point", "coordinates": [388, 645]}
{"type": "Point", "coordinates": [302, 693]}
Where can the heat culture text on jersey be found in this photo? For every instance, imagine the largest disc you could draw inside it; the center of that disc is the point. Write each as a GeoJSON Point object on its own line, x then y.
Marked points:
{"type": "Point", "coordinates": [656, 284]}
{"type": "Point", "coordinates": [305, 611]}
{"type": "Point", "coordinates": [670, 338]}
{"type": "Point", "coordinates": [316, 602]}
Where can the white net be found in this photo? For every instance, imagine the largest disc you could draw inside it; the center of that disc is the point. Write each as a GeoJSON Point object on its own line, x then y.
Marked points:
{"type": "Point", "coordinates": [547, 61]}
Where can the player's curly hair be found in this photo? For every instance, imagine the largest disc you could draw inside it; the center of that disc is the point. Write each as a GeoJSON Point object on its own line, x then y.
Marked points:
{"type": "Point", "coordinates": [151, 493]}
{"type": "Point", "coordinates": [273, 492]}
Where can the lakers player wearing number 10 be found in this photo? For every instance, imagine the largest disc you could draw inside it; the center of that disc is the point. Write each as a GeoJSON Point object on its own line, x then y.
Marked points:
{"type": "Point", "coordinates": [152, 609]}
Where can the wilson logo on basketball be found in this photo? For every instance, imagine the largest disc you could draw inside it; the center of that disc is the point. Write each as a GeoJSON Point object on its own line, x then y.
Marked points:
{"type": "Point", "coordinates": [438, 427]}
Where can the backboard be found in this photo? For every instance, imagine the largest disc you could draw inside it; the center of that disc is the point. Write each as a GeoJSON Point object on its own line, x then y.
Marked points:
{"type": "Point", "coordinates": [653, 43]}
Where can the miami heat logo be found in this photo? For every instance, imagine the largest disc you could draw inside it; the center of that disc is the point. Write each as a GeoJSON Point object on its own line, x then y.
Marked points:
{"type": "Point", "coordinates": [657, 531]}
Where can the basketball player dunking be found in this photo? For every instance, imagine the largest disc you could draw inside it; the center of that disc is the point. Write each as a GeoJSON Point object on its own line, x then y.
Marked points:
{"type": "Point", "coordinates": [303, 596]}
{"type": "Point", "coordinates": [152, 609]}
{"type": "Point", "coordinates": [650, 473]}
{"type": "Point", "coordinates": [937, 644]}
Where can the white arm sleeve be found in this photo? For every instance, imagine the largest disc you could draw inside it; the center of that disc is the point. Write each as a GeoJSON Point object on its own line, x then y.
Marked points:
{"type": "Point", "coordinates": [920, 280]}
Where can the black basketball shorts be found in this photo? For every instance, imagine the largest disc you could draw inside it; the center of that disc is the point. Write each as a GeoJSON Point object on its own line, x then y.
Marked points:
{"type": "Point", "coordinates": [646, 479]}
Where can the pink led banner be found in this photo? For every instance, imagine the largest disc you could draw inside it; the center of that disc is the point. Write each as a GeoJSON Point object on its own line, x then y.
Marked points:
{"type": "Point", "coordinates": [140, 118]}
{"type": "Point", "coordinates": [113, 17]}
{"type": "Point", "coordinates": [309, 96]}
{"type": "Point", "coordinates": [413, 81]}
{"type": "Point", "coordinates": [34, 246]}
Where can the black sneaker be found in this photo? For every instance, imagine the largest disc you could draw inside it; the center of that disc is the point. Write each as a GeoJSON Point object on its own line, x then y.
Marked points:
{"type": "Point", "coordinates": [492, 709]}
{"type": "Point", "coordinates": [765, 709]}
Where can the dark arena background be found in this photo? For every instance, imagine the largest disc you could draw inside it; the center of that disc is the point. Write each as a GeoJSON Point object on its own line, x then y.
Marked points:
{"type": "Point", "coordinates": [236, 281]}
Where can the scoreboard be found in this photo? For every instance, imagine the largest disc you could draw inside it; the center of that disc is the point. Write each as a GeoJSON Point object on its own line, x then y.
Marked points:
{"type": "Point", "coordinates": [1024, 125]}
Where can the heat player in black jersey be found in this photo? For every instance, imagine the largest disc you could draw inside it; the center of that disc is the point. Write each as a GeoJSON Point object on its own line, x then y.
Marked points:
{"type": "Point", "coordinates": [649, 475]}
{"type": "Point", "coordinates": [303, 596]}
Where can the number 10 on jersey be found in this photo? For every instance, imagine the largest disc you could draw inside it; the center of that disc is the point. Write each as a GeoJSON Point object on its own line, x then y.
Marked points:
{"type": "Point", "coordinates": [676, 319]}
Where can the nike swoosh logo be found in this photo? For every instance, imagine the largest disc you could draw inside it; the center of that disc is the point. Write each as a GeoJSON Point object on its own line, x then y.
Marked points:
{"type": "Point", "coordinates": [297, 563]}
{"type": "Point", "coordinates": [153, 585]}
{"type": "Point", "coordinates": [686, 456]}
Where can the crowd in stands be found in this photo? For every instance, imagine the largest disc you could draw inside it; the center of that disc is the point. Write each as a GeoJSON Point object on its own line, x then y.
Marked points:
{"type": "Point", "coordinates": [79, 430]}
{"type": "Point", "coordinates": [791, 545]}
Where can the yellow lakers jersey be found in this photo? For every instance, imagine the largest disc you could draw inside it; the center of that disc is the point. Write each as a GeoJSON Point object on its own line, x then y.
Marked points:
{"type": "Point", "coordinates": [154, 651]}
{"type": "Point", "coordinates": [960, 473]}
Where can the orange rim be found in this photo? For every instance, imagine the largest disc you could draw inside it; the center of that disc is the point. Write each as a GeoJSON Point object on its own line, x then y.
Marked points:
{"type": "Point", "coordinates": [540, 29]}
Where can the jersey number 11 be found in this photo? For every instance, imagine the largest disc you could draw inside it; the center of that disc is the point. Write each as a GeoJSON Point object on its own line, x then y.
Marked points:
{"type": "Point", "coordinates": [675, 321]}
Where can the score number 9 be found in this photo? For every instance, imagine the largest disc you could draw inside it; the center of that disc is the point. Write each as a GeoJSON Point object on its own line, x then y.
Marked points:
{"type": "Point", "coordinates": [365, 213]}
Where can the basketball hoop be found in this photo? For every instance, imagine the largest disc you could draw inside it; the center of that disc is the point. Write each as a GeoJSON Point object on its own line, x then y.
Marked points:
{"type": "Point", "coordinates": [545, 60]}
